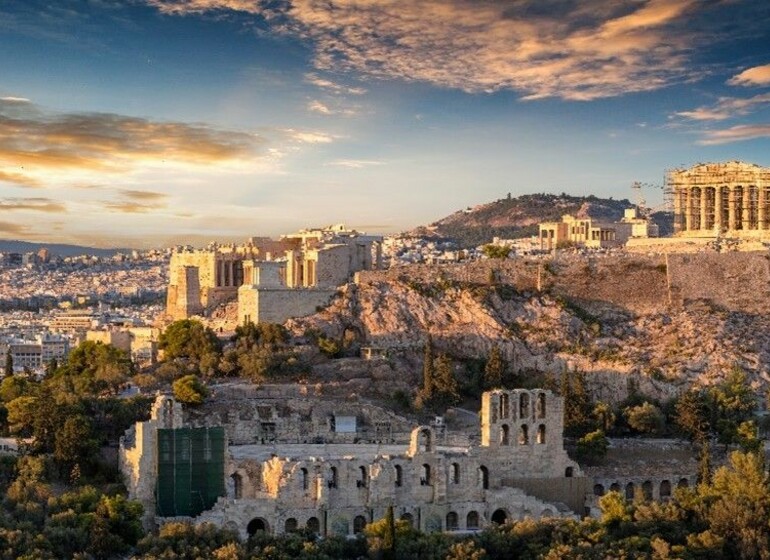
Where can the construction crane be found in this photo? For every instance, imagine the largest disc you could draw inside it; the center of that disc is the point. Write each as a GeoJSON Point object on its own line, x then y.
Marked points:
{"type": "Point", "coordinates": [641, 203]}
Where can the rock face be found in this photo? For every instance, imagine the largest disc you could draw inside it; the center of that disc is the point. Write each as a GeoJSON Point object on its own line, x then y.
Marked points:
{"type": "Point", "coordinates": [690, 320]}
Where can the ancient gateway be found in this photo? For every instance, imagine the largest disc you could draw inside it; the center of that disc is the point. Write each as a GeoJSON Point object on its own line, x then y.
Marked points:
{"type": "Point", "coordinates": [731, 199]}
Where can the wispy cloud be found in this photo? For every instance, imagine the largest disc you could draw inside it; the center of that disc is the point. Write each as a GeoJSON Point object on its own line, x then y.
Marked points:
{"type": "Point", "coordinates": [332, 86]}
{"type": "Point", "coordinates": [316, 106]}
{"type": "Point", "coordinates": [542, 48]}
{"type": "Point", "coordinates": [39, 147]}
{"type": "Point", "coordinates": [127, 207]}
{"type": "Point", "coordinates": [11, 99]}
{"type": "Point", "coordinates": [149, 196]}
{"type": "Point", "coordinates": [354, 163]}
{"type": "Point", "coordinates": [308, 136]}
{"type": "Point", "coordinates": [735, 134]}
{"type": "Point", "coordinates": [329, 109]}
{"type": "Point", "coordinates": [756, 76]}
{"type": "Point", "coordinates": [32, 204]}
{"type": "Point", "coordinates": [10, 228]}
{"type": "Point", "coordinates": [725, 108]}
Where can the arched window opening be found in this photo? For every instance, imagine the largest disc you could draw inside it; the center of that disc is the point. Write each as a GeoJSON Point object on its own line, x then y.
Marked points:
{"type": "Point", "coordinates": [237, 486]}
{"type": "Point", "coordinates": [452, 521]}
{"type": "Point", "coordinates": [504, 406]}
{"type": "Point", "coordinates": [524, 405]}
{"type": "Point", "coordinates": [399, 476]}
{"type": "Point", "coordinates": [426, 441]}
{"type": "Point", "coordinates": [524, 435]}
{"type": "Point", "coordinates": [665, 489]}
{"type": "Point", "coordinates": [598, 490]}
{"type": "Point", "coordinates": [472, 520]}
{"type": "Point", "coordinates": [499, 517]}
{"type": "Point", "coordinates": [569, 472]}
{"type": "Point", "coordinates": [541, 434]}
{"type": "Point", "coordinates": [333, 478]}
{"type": "Point", "coordinates": [290, 525]}
{"type": "Point", "coordinates": [546, 513]}
{"type": "Point", "coordinates": [484, 477]}
{"type": "Point", "coordinates": [540, 408]}
{"type": "Point", "coordinates": [647, 490]}
{"type": "Point", "coordinates": [305, 479]}
{"type": "Point", "coordinates": [358, 524]}
{"type": "Point", "coordinates": [505, 438]}
{"type": "Point", "coordinates": [683, 483]}
{"type": "Point", "coordinates": [362, 476]}
{"type": "Point", "coordinates": [454, 473]}
{"type": "Point", "coordinates": [256, 525]}
{"type": "Point", "coordinates": [313, 525]}
{"type": "Point", "coordinates": [425, 475]}
{"type": "Point", "coordinates": [630, 491]}
{"type": "Point", "coordinates": [408, 518]}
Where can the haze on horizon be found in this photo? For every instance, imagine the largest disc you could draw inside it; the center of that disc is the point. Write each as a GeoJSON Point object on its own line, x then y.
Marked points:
{"type": "Point", "coordinates": [142, 122]}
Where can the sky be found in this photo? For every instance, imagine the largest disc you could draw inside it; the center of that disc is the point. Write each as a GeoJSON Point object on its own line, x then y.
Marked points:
{"type": "Point", "coordinates": [154, 122]}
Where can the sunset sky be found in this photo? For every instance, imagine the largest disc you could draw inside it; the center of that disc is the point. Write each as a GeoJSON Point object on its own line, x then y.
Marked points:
{"type": "Point", "coordinates": [150, 122]}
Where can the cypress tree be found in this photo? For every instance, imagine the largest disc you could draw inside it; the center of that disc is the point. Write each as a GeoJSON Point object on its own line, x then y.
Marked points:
{"type": "Point", "coordinates": [8, 363]}
{"type": "Point", "coordinates": [494, 369]}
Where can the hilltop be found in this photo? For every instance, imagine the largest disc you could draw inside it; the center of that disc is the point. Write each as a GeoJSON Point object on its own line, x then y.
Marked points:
{"type": "Point", "coordinates": [63, 250]}
{"type": "Point", "coordinates": [519, 216]}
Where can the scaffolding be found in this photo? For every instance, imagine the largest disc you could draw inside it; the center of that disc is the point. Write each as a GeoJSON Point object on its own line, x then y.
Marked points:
{"type": "Point", "coordinates": [191, 474]}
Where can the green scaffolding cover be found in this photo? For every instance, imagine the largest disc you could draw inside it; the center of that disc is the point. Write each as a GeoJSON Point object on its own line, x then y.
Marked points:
{"type": "Point", "coordinates": [191, 470]}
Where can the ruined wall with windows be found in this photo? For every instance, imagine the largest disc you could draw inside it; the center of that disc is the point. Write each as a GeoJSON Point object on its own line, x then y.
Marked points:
{"type": "Point", "coordinates": [334, 467]}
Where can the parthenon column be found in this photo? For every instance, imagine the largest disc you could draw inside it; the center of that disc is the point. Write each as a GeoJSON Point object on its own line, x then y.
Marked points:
{"type": "Point", "coordinates": [718, 209]}
{"type": "Point", "coordinates": [746, 202]}
{"type": "Point", "coordinates": [703, 208]}
{"type": "Point", "coordinates": [688, 211]}
{"type": "Point", "coordinates": [761, 207]}
{"type": "Point", "coordinates": [731, 208]}
{"type": "Point", "coordinates": [677, 212]}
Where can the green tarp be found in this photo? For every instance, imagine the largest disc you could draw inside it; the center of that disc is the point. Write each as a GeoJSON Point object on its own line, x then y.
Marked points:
{"type": "Point", "coordinates": [191, 470]}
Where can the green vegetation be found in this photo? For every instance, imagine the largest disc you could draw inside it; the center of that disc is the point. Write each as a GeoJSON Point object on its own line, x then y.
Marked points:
{"type": "Point", "coordinates": [189, 390]}
{"type": "Point", "coordinates": [496, 251]}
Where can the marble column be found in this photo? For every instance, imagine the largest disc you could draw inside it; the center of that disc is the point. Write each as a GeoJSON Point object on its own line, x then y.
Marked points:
{"type": "Point", "coordinates": [746, 202]}
{"type": "Point", "coordinates": [731, 208]}
{"type": "Point", "coordinates": [703, 197]}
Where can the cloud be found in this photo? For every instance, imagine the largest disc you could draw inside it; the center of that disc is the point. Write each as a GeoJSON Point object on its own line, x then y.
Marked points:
{"type": "Point", "coordinates": [316, 106]}
{"type": "Point", "coordinates": [354, 163]}
{"type": "Point", "coordinates": [735, 134]}
{"type": "Point", "coordinates": [756, 76]}
{"type": "Point", "coordinates": [129, 207]}
{"type": "Point", "coordinates": [12, 99]}
{"type": "Point", "coordinates": [333, 87]}
{"type": "Point", "coordinates": [9, 228]}
{"type": "Point", "coordinates": [143, 195]}
{"type": "Point", "coordinates": [308, 137]}
{"type": "Point", "coordinates": [725, 108]}
{"type": "Point", "coordinates": [39, 147]}
{"type": "Point", "coordinates": [33, 204]}
{"type": "Point", "coordinates": [542, 48]}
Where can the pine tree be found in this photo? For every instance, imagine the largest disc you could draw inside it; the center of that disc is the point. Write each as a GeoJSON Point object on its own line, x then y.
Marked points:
{"type": "Point", "coordinates": [446, 387]}
{"type": "Point", "coordinates": [389, 539]}
{"type": "Point", "coordinates": [426, 392]}
{"type": "Point", "coordinates": [8, 363]}
{"type": "Point", "coordinates": [494, 370]}
{"type": "Point", "coordinates": [704, 466]}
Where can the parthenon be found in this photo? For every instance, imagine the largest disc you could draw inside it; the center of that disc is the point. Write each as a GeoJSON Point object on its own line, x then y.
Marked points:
{"type": "Point", "coordinates": [730, 198]}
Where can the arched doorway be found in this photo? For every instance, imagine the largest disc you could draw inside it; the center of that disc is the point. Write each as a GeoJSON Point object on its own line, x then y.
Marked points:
{"type": "Point", "coordinates": [452, 521]}
{"type": "Point", "coordinates": [313, 525]}
{"type": "Point", "coordinates": [472, 520]}
{"type": "Point", "coordinates": [257, 525]}
{"type": "Point", "coordinates": [499, 516]}
{"type": "Point", "coordinates": [290, 525]}
{"type": "Point", "coordinates": [359, 522]}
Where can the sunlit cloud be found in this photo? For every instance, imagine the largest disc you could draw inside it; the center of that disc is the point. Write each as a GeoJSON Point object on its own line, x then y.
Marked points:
{"type": "Point", "coordinates": [129, 207]}
{"type": "Point", "coordinates": [143, 195]}
{"type": "Point", "coordinates": [32, 204]}
{"type": "Point", "coordinates": [333, 87]}
{"type": "Point", "coordinates": [11, 99]}
{"type": "Point", "coordinates": [308, 136]}
{"type": "Point", "coordinates": [354, 163]}
{"type": "Point", "coordinates": [756, 76]}
{"type": "Point", "coordinates": [316, 106]}
{"type": "Point", "coordinates": [735, 134]}
{"type": "Point", "coordinates": [10, 228]}
{"type": "Point", "coordinates": [541, 48]}
{"type": "Point", "coordinates": [39, 147]}
{"type": "Point", "coordinates": [726, 107]}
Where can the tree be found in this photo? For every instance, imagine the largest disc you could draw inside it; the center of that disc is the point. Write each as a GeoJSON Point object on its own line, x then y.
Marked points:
{"type": "Point", "coordinates": [494, 370]}
{"type": "Point", "coordinates": [74, 443]}
{"type": "Point", "coordinates": [577, 404]}
{"type": "Point", "coordinates": [446, 387]}
{"type": "Point", "coordinates": [692, 415]}
{"type": "Point", "coordinates": [189, 390]}
{"type": "Point", "coordinates": [604, 416]}
{"type": "Point", "coordinates": [645, 418]}
{"type": "Point", "coordinates": [94, 367]}
{"type": "Point", "coordinates": [425, 392]}
{"type": "Point", "coordinates": [496, 251]}
{"type": "Point", "coordinates": [592, 447]}
{"type": "Point", "coordinates": [191, 343]}
{"type": "Point", "coordinates": [8, 363]}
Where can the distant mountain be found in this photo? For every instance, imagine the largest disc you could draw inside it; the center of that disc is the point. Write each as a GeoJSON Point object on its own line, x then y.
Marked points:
{"type": "Point", "coordinates": [63, 250]}
{"type": "Point", "coordinates": [517, 217]}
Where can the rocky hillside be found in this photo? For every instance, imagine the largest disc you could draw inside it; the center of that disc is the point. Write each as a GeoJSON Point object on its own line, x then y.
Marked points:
{"type": "Point", "coordinates": [519, 216]}
{"type": "Point", "coordinates": [666, 347]}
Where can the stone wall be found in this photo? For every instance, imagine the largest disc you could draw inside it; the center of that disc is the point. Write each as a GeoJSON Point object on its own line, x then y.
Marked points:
{"type": "Point", "coordinates": [277, 305]}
